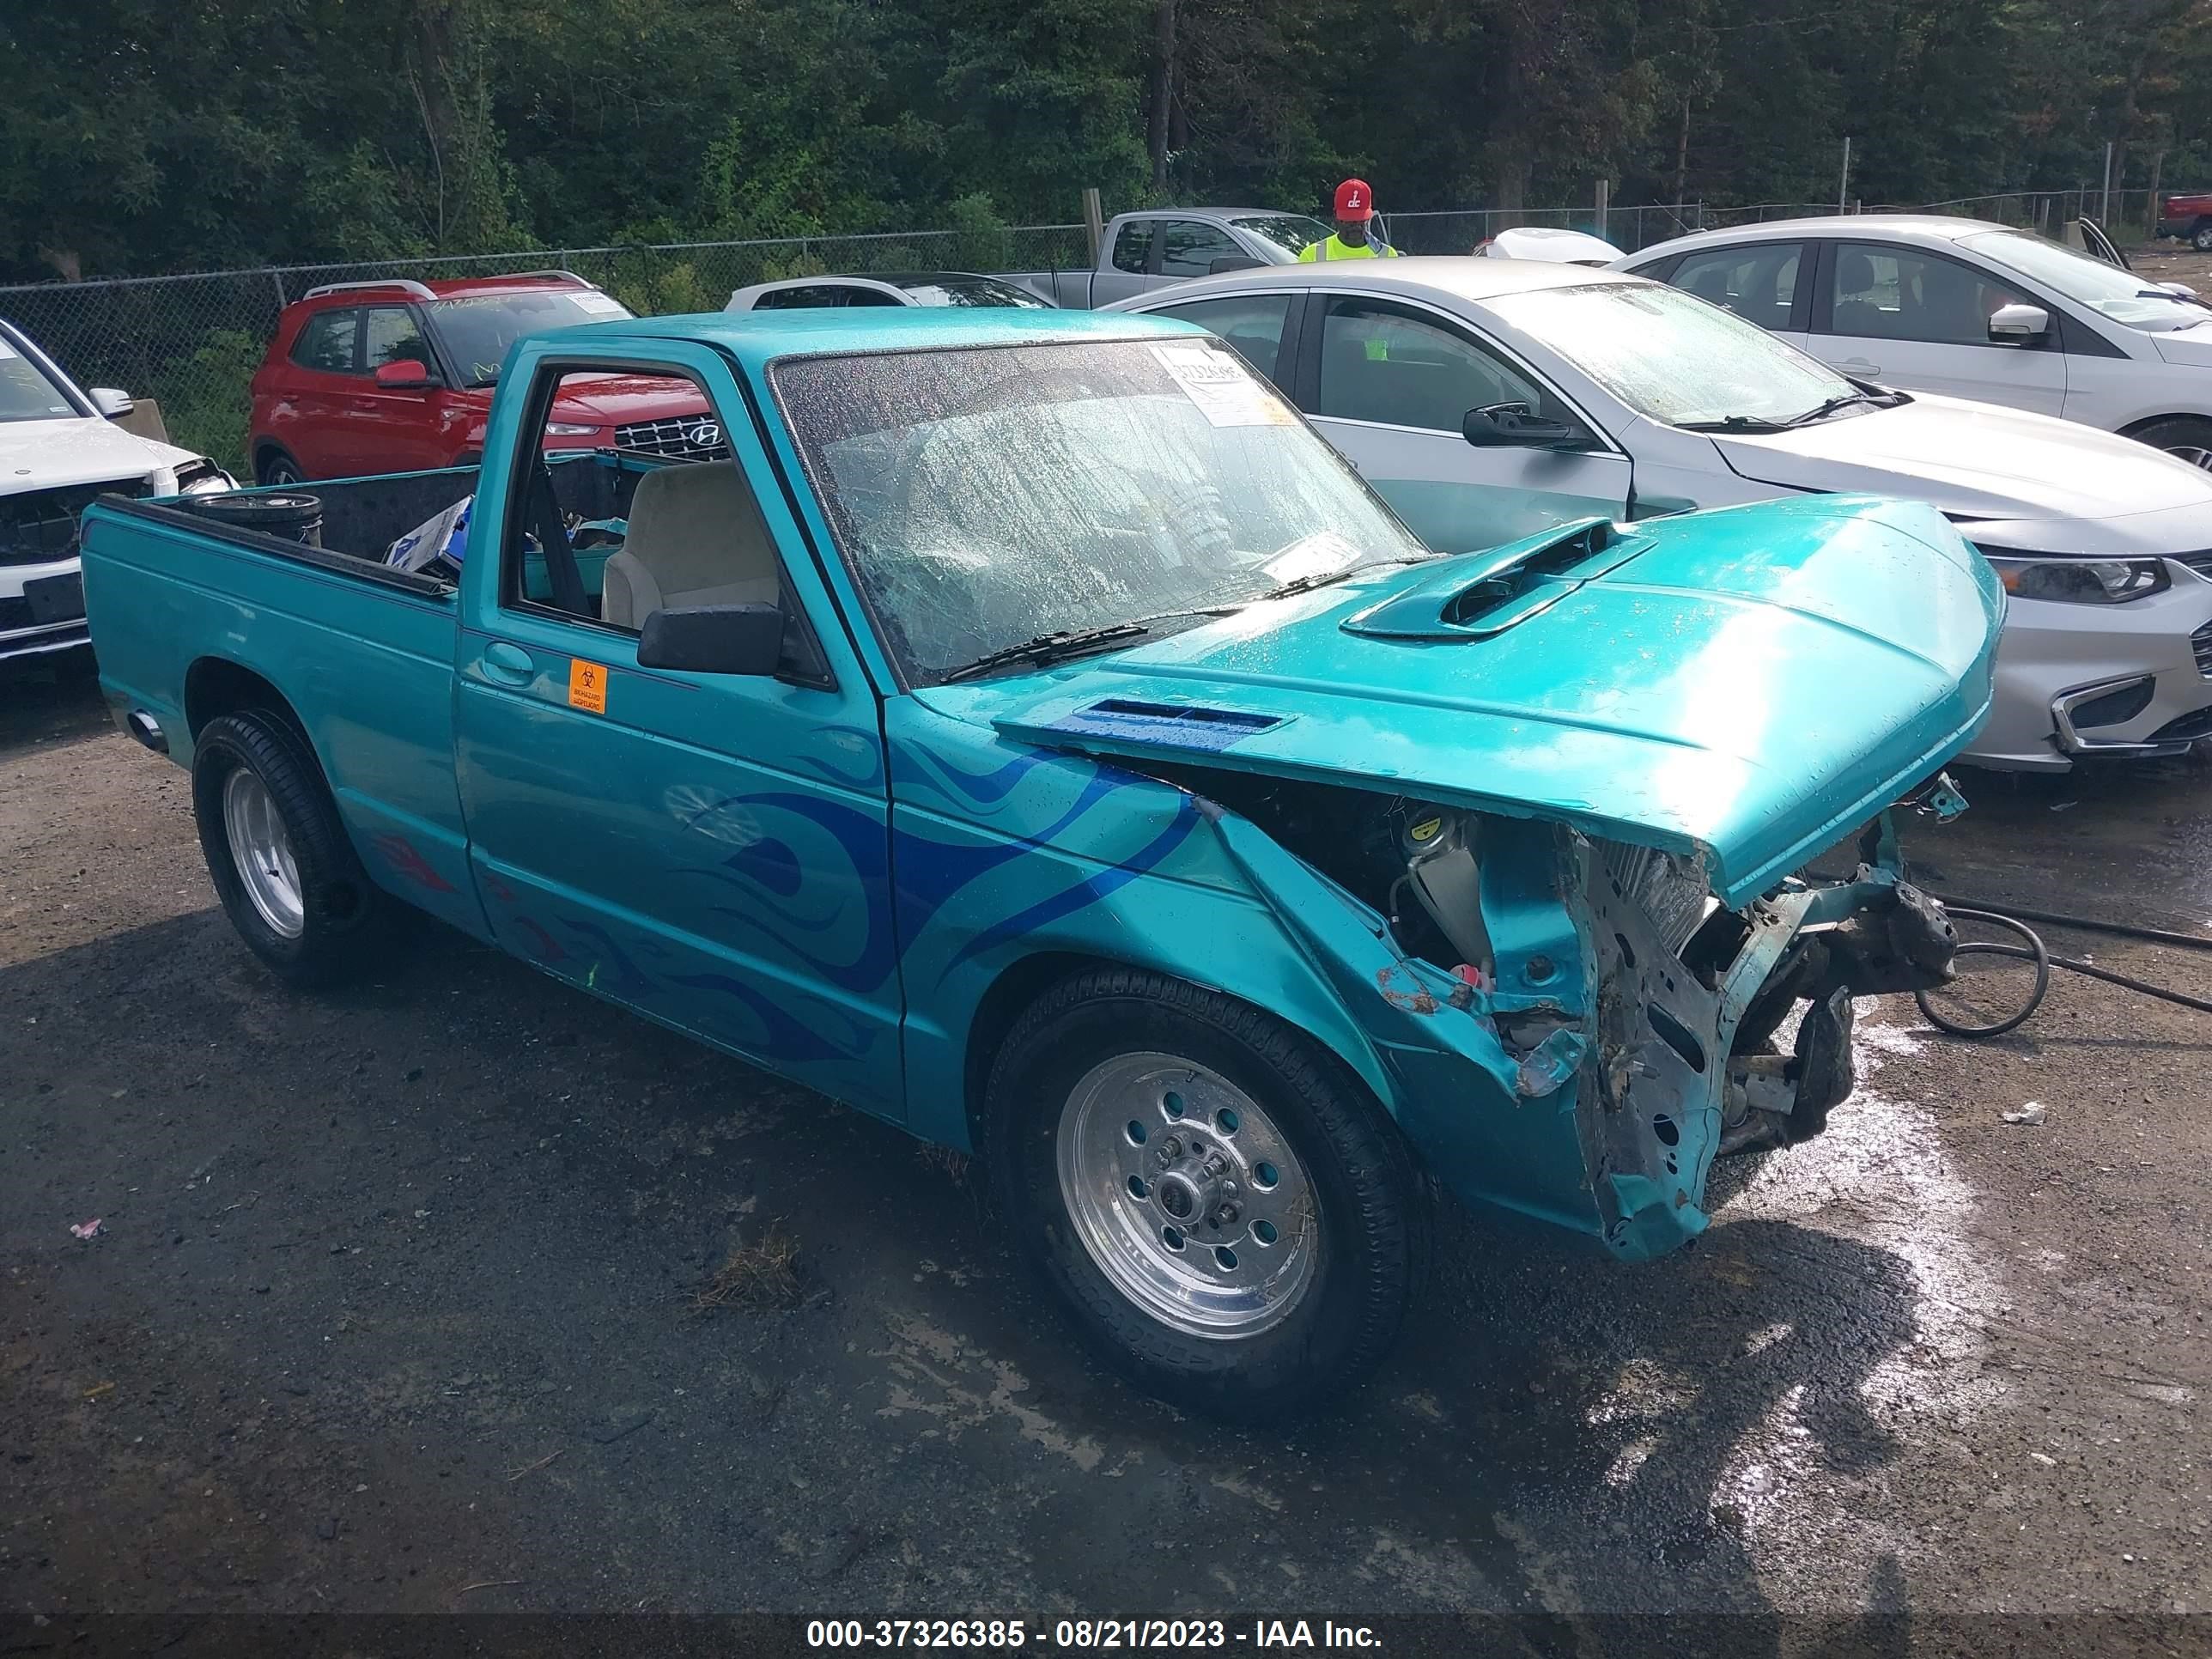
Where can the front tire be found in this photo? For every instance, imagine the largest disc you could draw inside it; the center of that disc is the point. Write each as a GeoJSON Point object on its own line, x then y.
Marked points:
{"type": "Point", "coordinates": [2201, 238]}
{"type": "Point", "coordinates": [279, 470]}
{"type": "Point", "coordinates": [2186, 437]}
{"type": "Point", "coordinates": [278, 855]}
{"type": "Point", "coordinates": [1229, 1217]}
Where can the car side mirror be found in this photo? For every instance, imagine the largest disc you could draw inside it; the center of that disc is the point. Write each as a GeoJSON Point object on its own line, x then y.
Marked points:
{"type": "Point", "coordinates": [1234, 262]}
{"type": "Point", "coordinates": [714, 639]}
{"type": "Point", "coordinates": [1515, 425]}
{"type": "Point", "coordinates": [2019, 325]}
{"type": "Point", "coordinates": [408, 374]}
{"type": "Point", "coordinates": [112, 403]}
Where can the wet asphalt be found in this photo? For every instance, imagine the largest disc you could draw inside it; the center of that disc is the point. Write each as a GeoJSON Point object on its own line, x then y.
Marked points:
{"type": "Point", "coordinates": [392, 1305]}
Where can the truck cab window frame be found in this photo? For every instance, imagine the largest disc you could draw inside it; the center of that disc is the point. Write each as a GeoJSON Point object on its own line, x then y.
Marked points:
{"type": "Point", "coordinates": [533, 512]}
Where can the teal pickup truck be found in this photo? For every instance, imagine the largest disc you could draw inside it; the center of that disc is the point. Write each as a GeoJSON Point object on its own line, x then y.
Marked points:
{"type": "Point", "coordinates": [1035, 735]}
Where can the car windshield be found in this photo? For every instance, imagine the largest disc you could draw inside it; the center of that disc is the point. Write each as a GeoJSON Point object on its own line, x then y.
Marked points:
{"type": "Point", "coordinates": [983, 498]}
{"type": "Point", "coordinates": [476, 329]}
{"type": "Point", "coordinates": [947, 289]}
{"type": "Point", "coordinates": [2106, 289]}
{"type": "Point", "coordinates": [27, 392]}
{"type": "Point", "coordinates": [1673, 357]}
{"type": "Point", "coordinates": [1293, 233]}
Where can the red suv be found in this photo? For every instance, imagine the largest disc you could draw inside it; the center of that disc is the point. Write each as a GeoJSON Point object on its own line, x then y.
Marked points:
{"type": "Point", "coordinates": [398, 377]}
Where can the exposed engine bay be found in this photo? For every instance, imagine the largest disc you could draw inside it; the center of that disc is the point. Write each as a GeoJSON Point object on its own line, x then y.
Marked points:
{"type": "Point", "coordinates": [1610, 982]}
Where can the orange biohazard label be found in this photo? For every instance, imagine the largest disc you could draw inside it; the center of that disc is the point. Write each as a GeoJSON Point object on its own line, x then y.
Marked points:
{"type": "Point", "coordinates": [588, 686]}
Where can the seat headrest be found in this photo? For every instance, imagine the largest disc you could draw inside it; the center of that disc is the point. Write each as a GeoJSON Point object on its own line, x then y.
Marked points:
{"type": "Point", "coordinates": [1854, 272]}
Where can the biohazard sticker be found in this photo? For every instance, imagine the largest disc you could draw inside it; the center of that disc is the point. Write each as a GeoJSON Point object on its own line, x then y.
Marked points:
{"type": "Point", "coordinates": [1226, 392]}
{"type": "Point", "coordinates": [588, 686]}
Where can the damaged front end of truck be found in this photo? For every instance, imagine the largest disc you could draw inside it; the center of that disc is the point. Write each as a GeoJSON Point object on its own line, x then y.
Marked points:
{"type": "Point", "coordinates": [1578, 1027]}
{"type": "Point", "coordinates": [1540, 821]}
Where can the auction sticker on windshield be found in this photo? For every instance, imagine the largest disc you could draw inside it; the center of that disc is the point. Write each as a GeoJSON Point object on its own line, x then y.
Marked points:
{"type": "Point", "coordinates": [1225, 393]}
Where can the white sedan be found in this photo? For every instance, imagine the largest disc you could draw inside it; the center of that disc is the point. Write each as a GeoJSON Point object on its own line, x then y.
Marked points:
{"type": "Point", "coordinates": [1972, 309]}
{"type": "Point", "coordinates": [1488, 399]}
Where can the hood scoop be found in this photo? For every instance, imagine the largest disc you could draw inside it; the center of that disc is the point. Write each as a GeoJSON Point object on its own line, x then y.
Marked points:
{"type": "Point", "coordinates": [1184, 726]}
{"type": "Point", "coordinates": [1481, 595]}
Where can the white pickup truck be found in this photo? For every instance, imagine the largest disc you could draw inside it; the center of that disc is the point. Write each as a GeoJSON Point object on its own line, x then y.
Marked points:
{"type": "Point", "coordinates": [1151, 249]}
{"type": "Point", "coordinates": [60, 448]}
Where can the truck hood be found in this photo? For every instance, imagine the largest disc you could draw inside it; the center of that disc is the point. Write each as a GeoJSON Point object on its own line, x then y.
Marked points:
{"type": "Point", "coordinates": [1748, 686]}
{"type": "Point", "coordinates": [618, 399]}
{"type": "Point", "coordinates": [1975, 460]}
{"type": "Point", "coordinates": [81, 450]}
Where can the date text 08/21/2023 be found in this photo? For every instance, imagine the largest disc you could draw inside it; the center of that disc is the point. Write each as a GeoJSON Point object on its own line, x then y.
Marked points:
{"type": "Point", "coordinates": [1086, 1634]}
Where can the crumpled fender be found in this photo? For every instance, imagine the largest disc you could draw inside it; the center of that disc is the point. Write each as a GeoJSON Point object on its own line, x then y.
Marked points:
{"type": "Point", "coordinates": [1457, 1092]}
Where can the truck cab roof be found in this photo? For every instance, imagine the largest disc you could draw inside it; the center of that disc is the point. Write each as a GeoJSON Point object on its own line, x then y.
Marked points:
{"type": "Point", "coordinates": [758, 338]}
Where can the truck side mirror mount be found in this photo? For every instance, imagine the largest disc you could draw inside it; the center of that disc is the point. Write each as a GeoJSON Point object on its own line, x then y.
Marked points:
{"type": "Point", "coordinates": [112, 402]}
{"type": "Point", "coordinates": [408, 374]}
{"type": "Point", "coordinates": [1233, 262]}
{"type": "Point", "coordinates": [2019, 325]}
{"type": "Point", "coordinates": [1515, 425]}
{"type": "Point", "coordinates": [714, 639]}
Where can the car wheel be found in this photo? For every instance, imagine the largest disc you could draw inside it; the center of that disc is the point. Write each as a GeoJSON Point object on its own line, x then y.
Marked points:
{"type": "Point", "coordinates": [2201, 238]}
{"type": "Point", "coordinates": [2186, 437]}
{"type": "Point", "coordinates": [1230, 1219]}
{"type": "Point", "coordinates": [279, 857]}
{"type": "Point", "coordinates": [278, 469]}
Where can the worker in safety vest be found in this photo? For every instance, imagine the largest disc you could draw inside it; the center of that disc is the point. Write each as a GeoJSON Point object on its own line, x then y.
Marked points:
{"type": "Point", "coordinates": [1355, 211]}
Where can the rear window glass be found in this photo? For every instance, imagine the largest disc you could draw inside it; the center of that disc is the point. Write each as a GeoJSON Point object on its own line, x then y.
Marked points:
{"type": "Point", "coordinates": [327, 342]}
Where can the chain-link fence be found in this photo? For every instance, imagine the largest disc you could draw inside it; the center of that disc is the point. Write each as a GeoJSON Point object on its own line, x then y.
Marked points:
{"type": "Point", "coordinates": [192, 343]}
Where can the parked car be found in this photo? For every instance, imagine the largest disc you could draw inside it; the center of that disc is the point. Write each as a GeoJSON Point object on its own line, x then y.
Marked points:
{"type": "Point", "coordinates": [913, 288]}
{"type": "Point", "coordinates": [1141, 251]}
{"type": "Point", "coordinates": [1487, 399]}
{"type": "Point", "coordinates": [2190, 217]}
{"type": "Point", "coordinates": [1035, 735]}
{"type": "Point", "coordinates": [397, 376]}
{"type": "Point", "coordinates": [1971, 309]}
{"type": "Point", "coordinates": [60, 448]}
{"type": "Point", "coordinates": [1566, 247]}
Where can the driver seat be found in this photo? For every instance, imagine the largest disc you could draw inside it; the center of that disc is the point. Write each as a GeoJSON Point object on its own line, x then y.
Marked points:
{"type": "Point", "coordinates": [696, 537]}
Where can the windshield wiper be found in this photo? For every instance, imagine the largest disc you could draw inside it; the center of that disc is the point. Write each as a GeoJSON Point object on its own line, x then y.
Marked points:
{"type": "Point", "coordinates": [1823, 410]}
{"type": "Point", "coordinates": [1306, 583]}
{"type": "Point", "coordinates": [1732, 423]}
{"type": "Point", "coordinates": [1056, 647]}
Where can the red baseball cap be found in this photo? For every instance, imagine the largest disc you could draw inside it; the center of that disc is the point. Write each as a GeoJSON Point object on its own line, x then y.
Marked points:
{"type": "Point", "coordinates": [1354, 200]}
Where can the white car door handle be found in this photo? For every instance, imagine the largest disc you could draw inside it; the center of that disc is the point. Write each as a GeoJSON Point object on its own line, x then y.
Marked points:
{"type": "Point", "coordinates": [1859, 365]}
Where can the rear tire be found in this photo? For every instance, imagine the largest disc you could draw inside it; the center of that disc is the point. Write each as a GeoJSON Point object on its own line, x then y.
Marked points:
{"type": "Point", "coordinates": [1230, 1219]}
{"type": "Point", "coordinates": [2186, 437]}
{"type": "Point", "coordinates": [278, 855]}
{"type": "Point", "coordinates": [277, 470]}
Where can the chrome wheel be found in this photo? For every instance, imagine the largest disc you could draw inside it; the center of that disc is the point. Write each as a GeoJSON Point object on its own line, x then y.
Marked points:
{"type": "Point", "coordinates": [1187, 1195]}
{"type": "Point", "coordinates": [262, 852]}
{"type": "Point", "coordinates": [2192, 454]}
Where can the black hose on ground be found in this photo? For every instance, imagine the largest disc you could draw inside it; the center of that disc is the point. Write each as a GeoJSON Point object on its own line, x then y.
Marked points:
{"type": "Point", "coordinates": [2033, 950]}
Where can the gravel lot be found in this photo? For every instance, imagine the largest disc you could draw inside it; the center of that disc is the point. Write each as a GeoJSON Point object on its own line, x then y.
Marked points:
{"type": "Point", "coordinates": [393, 1305]}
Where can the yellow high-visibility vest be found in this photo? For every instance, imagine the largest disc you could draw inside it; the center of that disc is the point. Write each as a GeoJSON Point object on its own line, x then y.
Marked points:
{"type": "Point", "coordinates": [1333, 247]}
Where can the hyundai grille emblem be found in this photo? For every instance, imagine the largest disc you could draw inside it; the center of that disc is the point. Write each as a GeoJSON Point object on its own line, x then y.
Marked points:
{"type": "Point", "coordinates": [706, 434]}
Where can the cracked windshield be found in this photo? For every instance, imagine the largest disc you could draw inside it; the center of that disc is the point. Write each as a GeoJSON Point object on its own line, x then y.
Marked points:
{"type": "Point", "coordinates": [987, 499]}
